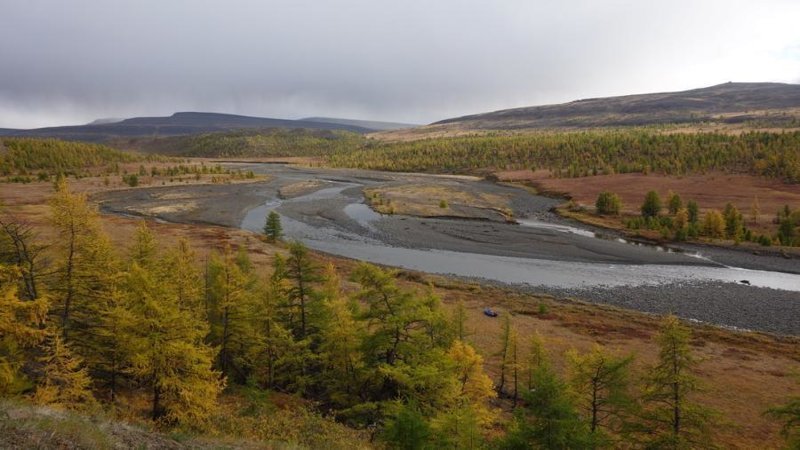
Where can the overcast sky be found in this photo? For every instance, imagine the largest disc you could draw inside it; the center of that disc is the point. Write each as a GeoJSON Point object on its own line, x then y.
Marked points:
{"type": "Point", "coordinates": [71, 61]}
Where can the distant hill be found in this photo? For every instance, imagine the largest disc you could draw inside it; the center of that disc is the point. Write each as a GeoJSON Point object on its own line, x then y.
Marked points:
{"type": "Point", "coordinates": [178, 124]}
{"type": "Point", "coordinates": [370, 124]}
{"type": "Point", "coordinates": [760, 104]}
{"type": "Point", "coordinates": [251, 142]}
{"type": "Point", "coordinates": [105, 120]}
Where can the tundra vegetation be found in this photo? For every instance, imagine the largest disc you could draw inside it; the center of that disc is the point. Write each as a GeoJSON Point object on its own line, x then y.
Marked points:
{"type": "Point", "coordinates": [155, 333]}
{"type": "Point", "coordinates": [587, 153]}
{"type": "Point", "coordinates": [681, 223]}
{"type": "Point", "coordinates": [562, 154]}
{"type": "Point", "coordinates": [25, 160]}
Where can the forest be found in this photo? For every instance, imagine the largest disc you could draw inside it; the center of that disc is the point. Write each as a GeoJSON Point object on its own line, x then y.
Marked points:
{"type": "Point", "coordinates": [681, 222]}
{"type": "Point", "coordinates": [586, 153]}
{"type": "Point", "coordinates": [155, 334]}
{"type": "Point", "coordinates": [251, 143]}
{"type": "Point", "coordinates": [563, 153]}
{"type": "Point", "coordinates": [24, 157]}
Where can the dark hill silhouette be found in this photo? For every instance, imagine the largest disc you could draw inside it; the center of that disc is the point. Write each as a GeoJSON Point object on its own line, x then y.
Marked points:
{"type": "Point", "coordinates": [775, 104]}
{"type": "Point", "coordinates": [370, 124]}
{"type": "Point", "coordinates": [181, 123]}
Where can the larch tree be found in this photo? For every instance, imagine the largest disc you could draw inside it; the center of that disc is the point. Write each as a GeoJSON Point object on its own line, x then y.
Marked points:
{"type": "Point", "coordinates": [64, 381]}
{"type": "Point", "coordinates": [734, 223]}
{"type": "Point", "coordinates": [404, 356]}
{"type": "Point", "coordinates": [272, 341]}
{"type": "Point", "coordinates": [512, 365]}
{"type": "Point", "coordinates": [392, 315]}
{"type": "Point", "coordinates": [755, 210]}
{"type": "Point", "coordinates": [672, 418]}
{"type": "Point", "coordinates": [169, 355]}
{"type": "Point", "coordinates": [549, 418]}
{"type": "Point", "coordinates": [231, 313]}
{"type": "Point", "coordinates": [789, 414]}
{"type": "Point", "coordinates": [462, 423]}
{"type": "Point", "coordinates": [505, 347]}
{"type": "Point", "coordinates": [536, 357]}
{"type": "Point", "coordinates": [340, 348]}
{"type": "Point", "coordinates": [652, 205]}
{"type": "Point", "coordinates": [114, 334]}
{"type": "Point", "coordinates": [459, 321]}
{"type": "Point", "coordinates": [143, 250]}
{"type": "Point", "coordinates": [181, 265]}
{"type": "Point", "coordinates": [674, 202]}
{"type": "Point", "coordinates": [475, 388]}
{"type": "Point", "coordinates": [21, 328]}
{"type": "Point", "coordinates": [694, 212]}
{"type": "Point", "coordinates": [20, 246]}
{"type": "Point", "coordinates": [303, 298]}
{"type": "Point", "coordinates": [600, 381]}
{"type": "Point", "coordinates": [714, 224]}
{"type": "Point", "coordinates": [86, 266]}
{"type": "Point", "coordinates": [608, 203]}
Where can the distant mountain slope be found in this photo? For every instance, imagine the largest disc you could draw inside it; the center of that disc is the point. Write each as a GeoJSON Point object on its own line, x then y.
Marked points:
{"type": "Point", "coordinates": [178, 124]}
{"type": "Point", "coordinates": [247, 143]}
{"type": "Point", "coordinates": [370, 124]}
{"type": "Point", "coordinates": [771, 104]}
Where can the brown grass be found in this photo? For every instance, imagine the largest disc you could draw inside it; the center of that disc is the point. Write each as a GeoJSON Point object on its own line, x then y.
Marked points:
{"type": "Point", "coordinates": [743, 373]}
{"type": "Point", "coordinates": [425, 200]}
{"type": "Point", "coordinates": [710, 191]}
{"type": "Point", "coordinates": [456, 129]}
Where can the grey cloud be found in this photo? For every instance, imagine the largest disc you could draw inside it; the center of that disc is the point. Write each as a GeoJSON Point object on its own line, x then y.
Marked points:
{"type": "Point", "coordinates": [413, 60]}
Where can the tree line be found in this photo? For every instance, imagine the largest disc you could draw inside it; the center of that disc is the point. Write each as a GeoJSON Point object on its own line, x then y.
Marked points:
{"type": "Point", "coordinates": [252, 143]}
{"type": "Point", "coordinates": [684, 221]}
{"type": "Point", "coordinates": [24, 157]}
{"type": "Point", "coordinates": [586, 153]}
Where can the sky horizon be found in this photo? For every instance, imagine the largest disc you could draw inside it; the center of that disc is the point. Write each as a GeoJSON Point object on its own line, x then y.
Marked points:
{"type": "Point", "coordinates": [67, 63]}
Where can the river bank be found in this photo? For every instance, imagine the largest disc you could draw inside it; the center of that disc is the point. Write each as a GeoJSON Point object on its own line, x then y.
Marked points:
{"type": "Point", "coordinates": [544, 254]}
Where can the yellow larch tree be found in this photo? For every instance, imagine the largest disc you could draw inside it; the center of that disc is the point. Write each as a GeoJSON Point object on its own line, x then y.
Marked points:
{"type": "Point", "coordinates": [65, 381]}
{"type": "Point", "coordinates": [86, 266]}
{"type": "Point", "coordinates": [20, 328]}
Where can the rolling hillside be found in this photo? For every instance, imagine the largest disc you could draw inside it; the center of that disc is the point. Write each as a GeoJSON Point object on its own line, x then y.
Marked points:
{"type": "Point", "coordinates": [178, 124]}
{"type": "Point", "coordinates": [373, 125]}
{"type": "Point", "coordinates": [758, 104]}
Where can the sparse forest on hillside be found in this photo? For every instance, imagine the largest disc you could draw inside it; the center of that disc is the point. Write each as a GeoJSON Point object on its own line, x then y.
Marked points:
{"type": "Point", "coordinates": [252, 143]}
{"type": "Point", "coordinates": [24, 156]}
{"type": "Point", "coordinates": [565, 154]}
{"type": "Point", "coordinates": [578, 154]}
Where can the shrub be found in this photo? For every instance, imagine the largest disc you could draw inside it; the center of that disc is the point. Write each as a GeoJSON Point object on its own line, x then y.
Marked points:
{"type": "Point", "coordinates": [734, 223]}
{"type": "Point", "coordinates": [674, 203]}
{"type": "Point", "coordinates": [694, 211]}
{"type": "Point", "coordinates": [652, 205]}
{"type": "Point", "coordinates": [131, 180]}
{"type": "Point", "coordinates": [608, 204]}
{"type": "Point", "coordinates": [714, 224]}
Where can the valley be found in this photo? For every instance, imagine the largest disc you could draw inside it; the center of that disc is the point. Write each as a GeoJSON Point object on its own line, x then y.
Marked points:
{"type": "Point", "coordinates": [407, 252]}
{"type": "Point", "coordinates": [538, 252]}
